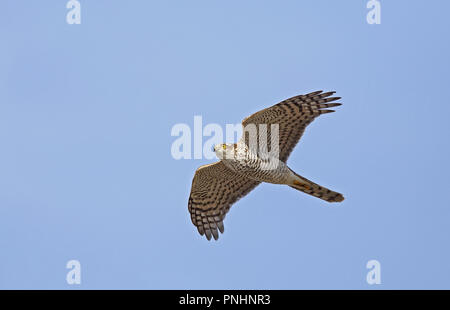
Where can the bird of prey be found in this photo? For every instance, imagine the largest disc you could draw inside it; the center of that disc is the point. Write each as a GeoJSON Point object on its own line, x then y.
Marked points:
{"type": "Point", "coordinates": [242, 166]}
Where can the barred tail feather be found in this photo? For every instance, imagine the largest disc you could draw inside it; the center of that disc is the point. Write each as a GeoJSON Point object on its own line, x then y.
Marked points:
{"type": "Point", "coordinates": [311, 188]}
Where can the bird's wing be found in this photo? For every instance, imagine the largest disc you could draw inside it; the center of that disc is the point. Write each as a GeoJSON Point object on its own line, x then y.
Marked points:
{"type": "Point", "coordinates": [292, 116]}
{"type": "Point", "coordinates": [214, 189]}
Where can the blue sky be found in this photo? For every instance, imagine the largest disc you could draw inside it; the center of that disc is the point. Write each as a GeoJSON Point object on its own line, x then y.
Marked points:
{"type": "Point", "coordinates": [86, 171]}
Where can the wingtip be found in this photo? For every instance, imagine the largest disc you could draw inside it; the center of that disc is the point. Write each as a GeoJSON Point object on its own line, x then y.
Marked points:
{"type": "Point", "coordinates": [208, 234]}
{"type": "Point", "coordinates": [200, 230]}
{"type": "Point", "coordinates": [329, 93]}
{"type": "Point", "coordinates": [326, 111]}
{"type": "Point", "coordinates": [221, 227]}
{"type": "Point", "coordinates": [314, 93]}
{"type": "Point", "coordinates": [215, 234]}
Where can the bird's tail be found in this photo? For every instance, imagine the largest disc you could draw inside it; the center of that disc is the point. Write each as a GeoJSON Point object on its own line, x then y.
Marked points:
{"type": "Point", "coordinates": [311, 188]}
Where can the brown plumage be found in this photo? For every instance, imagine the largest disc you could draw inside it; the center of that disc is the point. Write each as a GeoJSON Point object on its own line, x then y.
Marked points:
{"type": "Point", "coordinates": [217, 186]}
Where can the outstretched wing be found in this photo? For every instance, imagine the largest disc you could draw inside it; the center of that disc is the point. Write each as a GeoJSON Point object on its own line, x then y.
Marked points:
{"type": "Point", "coordinates": [292, 116]}
{"type": "Point", "coordinates": [214, 189]}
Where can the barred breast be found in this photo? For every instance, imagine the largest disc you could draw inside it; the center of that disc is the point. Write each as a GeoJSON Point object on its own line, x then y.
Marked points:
{"type": "Point", "coordinates": [250, 165]}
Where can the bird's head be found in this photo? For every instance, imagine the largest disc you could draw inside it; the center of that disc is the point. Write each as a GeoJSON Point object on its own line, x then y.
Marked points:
{"type": "Point", "coordinates": [225, 150]}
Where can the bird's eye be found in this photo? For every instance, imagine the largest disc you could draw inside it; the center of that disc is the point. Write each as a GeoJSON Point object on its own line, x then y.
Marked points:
{"type": "Point", "coordinates": [224, 146]}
